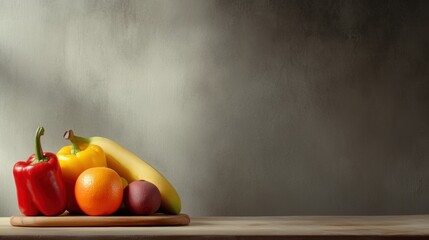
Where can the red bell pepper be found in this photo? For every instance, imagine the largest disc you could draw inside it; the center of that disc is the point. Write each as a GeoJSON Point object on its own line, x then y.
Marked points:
{"type": "Point", "coordinates": [39, 183]}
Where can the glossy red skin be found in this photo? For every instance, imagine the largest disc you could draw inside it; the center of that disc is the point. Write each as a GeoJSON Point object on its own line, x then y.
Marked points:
{"type": "Point", "coordinates": [40, 188]}
{"type": "Point", "coordinates": [142, 198]}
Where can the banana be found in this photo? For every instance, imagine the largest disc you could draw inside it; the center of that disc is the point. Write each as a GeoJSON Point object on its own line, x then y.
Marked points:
{"type": "Point", "coordinates": [132, 168]}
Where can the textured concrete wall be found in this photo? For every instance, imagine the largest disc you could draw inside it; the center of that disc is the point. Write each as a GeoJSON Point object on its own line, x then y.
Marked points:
{"type": "Point", "coordinates": [248, 107]}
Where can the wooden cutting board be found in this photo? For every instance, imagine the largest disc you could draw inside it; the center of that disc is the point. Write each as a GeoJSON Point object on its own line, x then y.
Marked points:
{"type": "Point", "coordinates": [100, 221]}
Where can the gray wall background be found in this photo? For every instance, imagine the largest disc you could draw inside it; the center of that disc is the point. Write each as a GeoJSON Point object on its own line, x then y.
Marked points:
{"type": "Point", "coordinates": [247, 107]}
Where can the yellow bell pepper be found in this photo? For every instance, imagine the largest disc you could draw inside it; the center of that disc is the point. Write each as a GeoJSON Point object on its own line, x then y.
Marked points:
{"type": "Point", "coordinates": [73, 161]}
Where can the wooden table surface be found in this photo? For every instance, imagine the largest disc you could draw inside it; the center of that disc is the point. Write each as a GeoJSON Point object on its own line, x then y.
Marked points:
{"type": "Point", "coordinates": [288, 227]}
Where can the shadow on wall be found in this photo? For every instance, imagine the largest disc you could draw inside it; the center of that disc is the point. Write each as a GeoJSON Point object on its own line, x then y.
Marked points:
{"type": "Point", "coordinates": [249, 107]}
{"type": "Point", "coordinates": [310, 101]}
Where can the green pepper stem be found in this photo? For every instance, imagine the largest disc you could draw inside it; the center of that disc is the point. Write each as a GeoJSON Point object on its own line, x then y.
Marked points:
{"type": "Point", "coordinates": [38, 146]}
{"type": "Point", "coordinates": [69, 135]}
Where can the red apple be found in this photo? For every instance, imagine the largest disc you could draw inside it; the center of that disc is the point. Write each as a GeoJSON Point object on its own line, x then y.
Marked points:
{"type": "Point", "coordinates": [142, 198]}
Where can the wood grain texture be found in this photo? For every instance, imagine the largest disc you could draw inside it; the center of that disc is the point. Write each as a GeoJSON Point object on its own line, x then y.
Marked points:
{"type": "Point", "coordinates": [105, 221]}
{"type": "Point", "coordinates": [290, 227]}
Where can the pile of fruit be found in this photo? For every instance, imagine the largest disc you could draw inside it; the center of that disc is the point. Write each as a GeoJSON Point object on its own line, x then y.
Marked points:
{"type": "Point", "coordinates": [94, 176]}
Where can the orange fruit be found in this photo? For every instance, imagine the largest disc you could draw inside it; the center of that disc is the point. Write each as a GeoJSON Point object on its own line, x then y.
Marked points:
{"type": "Point", "coordinates": [99, 191]}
